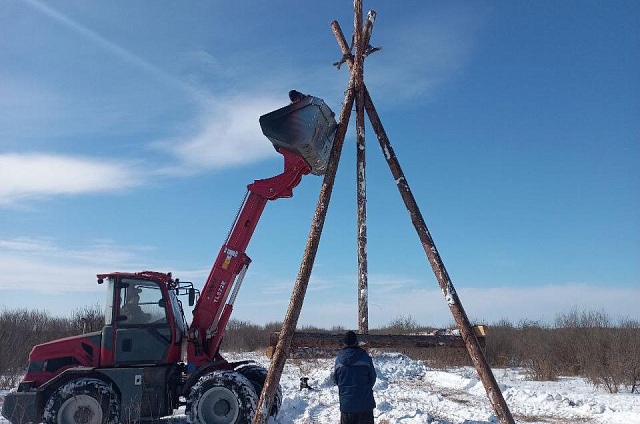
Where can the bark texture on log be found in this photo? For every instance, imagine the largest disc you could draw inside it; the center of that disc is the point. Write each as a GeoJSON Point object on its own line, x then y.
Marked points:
{"type": "Point", "coordinates": [378, 341]}
{"type": "Point", "coordinates": [361, 184]}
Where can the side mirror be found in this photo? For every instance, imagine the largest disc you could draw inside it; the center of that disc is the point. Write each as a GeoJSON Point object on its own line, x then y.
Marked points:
{"type": "Point", "coordinates": [192, 296]}
{"type": "Point", "coordinates": [162, 303]}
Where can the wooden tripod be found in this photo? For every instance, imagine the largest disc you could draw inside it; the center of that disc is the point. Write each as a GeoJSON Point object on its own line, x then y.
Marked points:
{"type": "Point", "coordinates": [357, 91]}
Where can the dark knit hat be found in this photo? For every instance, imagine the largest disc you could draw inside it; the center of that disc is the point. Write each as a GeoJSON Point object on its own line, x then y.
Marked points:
{"type": "Point", "coordinates": [350, 339]}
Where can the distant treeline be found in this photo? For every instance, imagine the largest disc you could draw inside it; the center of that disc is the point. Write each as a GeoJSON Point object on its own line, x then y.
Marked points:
{"type": "Point", "coordinates": [21, 329]}
{"type": "Point", "coordinates": [580, 343]}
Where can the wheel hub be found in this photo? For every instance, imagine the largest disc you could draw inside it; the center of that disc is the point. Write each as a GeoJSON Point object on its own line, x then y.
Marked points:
{"type": "Point", "coordinates": [218, 405]}
{"type": "Point", "coordinates": [83, 415]}
{"type": "Point", "coordinates": [222, 407]}
{"type": "Point", "coordinates": [80, 409]}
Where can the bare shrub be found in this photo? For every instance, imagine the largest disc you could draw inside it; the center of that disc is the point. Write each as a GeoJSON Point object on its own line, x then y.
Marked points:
{"type": "Point", "coordinates": [604, 352]}
{"type": "Point", "coordinates": [631, 351]}
{"type": "Point", "coordinates": [87, 319]}
{"type": "Point", "coordinates": [9, 381]}
{"type": "Point", "coordinates": [538, 350]}
{"type": "Point", "coordinates": [401, 325]}
{"type": "Point", "coordinates": [20, 330]}
{"type": "Point", "coordinates": [244, 336]}
{"type": "Point", "coordinates": [501, 344]}
{"type": "Point", "coordinates": [580, 343]}
{"type": "Point", "coordinates": [441, 358]}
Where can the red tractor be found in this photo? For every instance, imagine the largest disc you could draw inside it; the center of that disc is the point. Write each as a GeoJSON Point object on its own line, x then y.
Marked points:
{"type": "Point", "coordinates": [146, 362]}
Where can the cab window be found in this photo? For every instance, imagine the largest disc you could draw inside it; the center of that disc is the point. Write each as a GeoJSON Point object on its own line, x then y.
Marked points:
{"type": "Point", "coordinates": [176, 306]}
{"type": "Point", "coordinates": [178, 319]}
{"type": "Point", "coordinates": [141, 302]}
{"type": "Point", "coordinates": [108, 313]}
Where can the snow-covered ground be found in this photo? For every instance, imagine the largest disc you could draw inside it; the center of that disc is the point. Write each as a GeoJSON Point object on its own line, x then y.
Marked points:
{"type": "Point", "coordinates": [409, 392]}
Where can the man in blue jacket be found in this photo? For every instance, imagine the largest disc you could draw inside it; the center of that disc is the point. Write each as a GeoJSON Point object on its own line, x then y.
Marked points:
{"type": "Point", "coordinates": [355, 375]}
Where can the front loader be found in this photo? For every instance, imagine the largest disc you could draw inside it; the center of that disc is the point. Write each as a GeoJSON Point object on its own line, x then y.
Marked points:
{"type": "Point", "coordinates": [146, 362]}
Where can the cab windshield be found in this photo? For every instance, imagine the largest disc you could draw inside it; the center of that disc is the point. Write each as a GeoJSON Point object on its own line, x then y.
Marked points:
{"type": "Point", "coordinates": [141, 302]}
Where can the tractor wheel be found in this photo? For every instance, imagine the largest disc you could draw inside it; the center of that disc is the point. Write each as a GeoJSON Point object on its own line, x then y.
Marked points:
{"type": "Point", "coordinates": [83, 401]}
{"type": "Point", "coordinates": [257, 376]}
{"type": "Point", "coordinates": [222, 397]}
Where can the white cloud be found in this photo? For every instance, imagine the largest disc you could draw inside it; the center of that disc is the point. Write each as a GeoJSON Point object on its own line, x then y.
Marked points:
{"type": "Point", "coordinates": [226, 128]}
{"type": "Point", "coordinates": [282, 288]}
{"type": "Point", "coordinates": [391, 297]}
{"type": "Point", "coordinates": [26, 244]}
{"type": "Point", "coordinates": [42, 265]}
{"type": "Point", "coordinates": [515, 303]}
{"type": "Point", "coordinates": [196, 276]}
{"type": "Point", "coordinates": [227, 134]}
{"type": "Point", "coordinates": [37, 175]}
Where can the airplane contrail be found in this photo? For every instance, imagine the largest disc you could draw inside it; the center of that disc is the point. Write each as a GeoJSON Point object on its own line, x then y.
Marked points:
{"type": "Point", "coordinates": [116, 49]}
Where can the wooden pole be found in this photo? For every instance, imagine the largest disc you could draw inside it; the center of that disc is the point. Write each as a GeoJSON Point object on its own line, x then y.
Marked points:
{"type": "Point", "coordinates": [300, 288]}
{"type": "Point", "coordinates": [446, 285]}
{"type": "Point", "coordinates": [361, 185]}
{"type": "Point", "coordinates": [378, 341]}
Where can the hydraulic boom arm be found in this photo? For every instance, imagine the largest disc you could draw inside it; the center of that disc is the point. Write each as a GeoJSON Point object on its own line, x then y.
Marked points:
{"type": "Point", "coordinates": [213, 309]}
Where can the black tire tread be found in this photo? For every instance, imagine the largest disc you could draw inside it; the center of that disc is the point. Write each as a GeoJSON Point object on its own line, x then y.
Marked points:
{"type": "Point", "coordinates": [234, 381]}
{"type": "Point", "coordinates": [257, 375]}
{"type": "Point", "coordinates": [94, 387]}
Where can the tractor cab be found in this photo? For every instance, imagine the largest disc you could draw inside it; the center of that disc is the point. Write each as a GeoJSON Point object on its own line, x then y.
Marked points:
{"type": "Point", "coordinates": [144, 320]}
{"type": "Point", "coordinates": [144, 325]}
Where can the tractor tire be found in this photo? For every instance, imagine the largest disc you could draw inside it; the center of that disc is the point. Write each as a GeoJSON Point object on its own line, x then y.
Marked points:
{"type": "Point", "coordinates": [222, 397]}
{"type": "Point", "coordinates": [257, 376]}
{"type": "Point", "coordinates": [83, 401]}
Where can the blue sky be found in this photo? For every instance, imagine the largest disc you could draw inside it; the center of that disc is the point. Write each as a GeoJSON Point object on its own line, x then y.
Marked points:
{"type": "Point", "coordinates": [129, 131]}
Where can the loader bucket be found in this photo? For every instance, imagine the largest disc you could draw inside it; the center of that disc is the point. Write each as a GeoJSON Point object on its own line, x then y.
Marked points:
{"type": "Point", "coordinates": [306, 127]}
